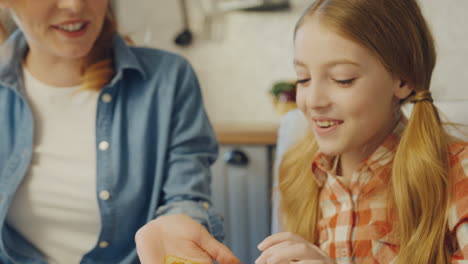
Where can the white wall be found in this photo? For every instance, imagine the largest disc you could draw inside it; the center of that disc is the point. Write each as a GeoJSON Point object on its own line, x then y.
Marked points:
{"type": "Point", "coordinates": [449, 23]}
{"type": "Point", "coordinates": [252, 50]}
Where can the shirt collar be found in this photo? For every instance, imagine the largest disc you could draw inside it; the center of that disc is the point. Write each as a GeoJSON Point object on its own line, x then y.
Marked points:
{"type": "Point", "coordinates": [381, 157]}
{"type": "Point", "coordinates": [125, 59]}
{"type": "Point", "coordinates": [15, 47]}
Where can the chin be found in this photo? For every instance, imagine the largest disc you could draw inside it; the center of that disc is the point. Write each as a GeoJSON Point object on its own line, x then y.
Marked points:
{"type": "Point", "coordinates": [330, 150]}
{"type": "Point", "coordinates": [74, 54]}
{"type": "Point", "coordinates": [73, 51]}
{"type": "Point", "coordinates": [330, 146]}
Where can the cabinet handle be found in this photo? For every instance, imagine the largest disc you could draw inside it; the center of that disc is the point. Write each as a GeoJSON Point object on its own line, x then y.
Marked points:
{"type": "Point", "coordinates": [236, 158]}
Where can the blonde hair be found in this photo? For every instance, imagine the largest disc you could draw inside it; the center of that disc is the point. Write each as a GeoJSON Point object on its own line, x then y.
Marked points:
{"type": "Point", "coordinates": [98, 68]}
{"type": "Point", "coordinates": [396, 33]}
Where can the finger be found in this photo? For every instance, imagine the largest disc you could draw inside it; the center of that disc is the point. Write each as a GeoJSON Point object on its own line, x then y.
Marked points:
{"type": "Point", "coordinates": [263, 258]}
{"type": "Point", "coordinates": [309, 262]}
{"type": "Point", "coordinates": [216, 250]}
{"type": "Point", "coordinates": [290, 251]}
{"type": "Point", "coordinates": [279, 238]}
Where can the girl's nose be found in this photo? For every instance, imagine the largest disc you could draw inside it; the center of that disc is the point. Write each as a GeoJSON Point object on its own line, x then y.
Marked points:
{"type": "Point", "coordinates": [316, 96]}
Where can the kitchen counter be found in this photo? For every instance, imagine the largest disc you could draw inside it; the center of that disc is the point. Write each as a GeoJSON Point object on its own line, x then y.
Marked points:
{"type": "Point", "coordinates": [246, 134]}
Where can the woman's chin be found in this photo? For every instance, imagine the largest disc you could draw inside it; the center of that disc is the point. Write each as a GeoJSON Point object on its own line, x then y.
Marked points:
{"type": "Point", "coordinates": [73, 53]}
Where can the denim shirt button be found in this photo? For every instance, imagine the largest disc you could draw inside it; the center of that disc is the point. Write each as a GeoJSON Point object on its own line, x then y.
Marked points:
{"type": "Point", "coordinates": [104, 195]}
{"type": "Point", "coordinates": [206, 205]}
{"type": "Point", "coordinates": [106, 98]}
{"type": "Point", "coordinates": [103, 244]}
{"type": "Point", "coordinates": [104, 145]}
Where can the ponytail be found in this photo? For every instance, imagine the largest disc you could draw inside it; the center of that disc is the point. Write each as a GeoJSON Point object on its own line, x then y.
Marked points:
{"type": "Point", "coordinates": [421, 183]}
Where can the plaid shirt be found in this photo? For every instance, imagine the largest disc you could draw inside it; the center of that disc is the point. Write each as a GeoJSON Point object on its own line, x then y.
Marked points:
{"type": "Point", "coordinates": [355, 227]}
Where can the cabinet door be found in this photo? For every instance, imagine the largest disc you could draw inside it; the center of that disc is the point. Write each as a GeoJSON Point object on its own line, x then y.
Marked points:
{"type": "Point", "coordinates": [241, 192]}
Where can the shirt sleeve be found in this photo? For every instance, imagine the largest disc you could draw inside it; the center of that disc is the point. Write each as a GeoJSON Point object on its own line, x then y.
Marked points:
{"type": "Point", "coordinates": [458, 218]}
{"type": "Point", "coordinates": [200, 211]}
{"type": "Point", "coordinates": [193, 148]}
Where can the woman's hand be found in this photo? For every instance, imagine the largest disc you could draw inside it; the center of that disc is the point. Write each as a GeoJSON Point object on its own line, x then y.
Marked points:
{"type": "Point", "coordinates": [285, 248]}
{"type": "Point", "coordinates": [181, 236]}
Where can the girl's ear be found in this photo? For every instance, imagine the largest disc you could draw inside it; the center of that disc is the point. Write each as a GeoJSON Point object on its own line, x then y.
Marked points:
{"type": "Point", "coordinates": [403, 89]}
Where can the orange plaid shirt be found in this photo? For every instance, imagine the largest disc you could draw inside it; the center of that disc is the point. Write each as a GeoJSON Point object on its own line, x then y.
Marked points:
{"type": "Point", "coordinates": [354, 227]}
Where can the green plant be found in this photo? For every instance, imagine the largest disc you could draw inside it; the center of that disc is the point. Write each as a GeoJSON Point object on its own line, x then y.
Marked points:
{"type": "Point", "coordinates": [284, 90]}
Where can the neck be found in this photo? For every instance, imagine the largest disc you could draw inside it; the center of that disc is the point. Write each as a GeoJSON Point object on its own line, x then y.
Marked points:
{"type": "Point", "coordinates": [350, 161]}
{"type": "Point", "coordinates": [53, 70]}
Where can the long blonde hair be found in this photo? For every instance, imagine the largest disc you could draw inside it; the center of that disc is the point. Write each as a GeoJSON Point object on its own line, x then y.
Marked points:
{"type": "Point", "coordinates": [397, 33]}
{"type": "Point", "coordinates": [98, 68]}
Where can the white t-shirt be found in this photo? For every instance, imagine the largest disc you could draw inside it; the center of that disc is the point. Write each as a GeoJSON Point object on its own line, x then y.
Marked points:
{"type": "Point", "coordinates": [56, 207]}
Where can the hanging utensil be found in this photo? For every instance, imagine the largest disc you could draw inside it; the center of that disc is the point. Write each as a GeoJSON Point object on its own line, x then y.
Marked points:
{"type": "Point", "coordinates": [270, 5]}
{"type": "Point", "coordinates": [185, 38]}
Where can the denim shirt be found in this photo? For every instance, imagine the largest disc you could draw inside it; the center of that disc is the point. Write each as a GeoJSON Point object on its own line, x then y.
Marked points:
{"type": "Point", "coordinates": [161, 146]}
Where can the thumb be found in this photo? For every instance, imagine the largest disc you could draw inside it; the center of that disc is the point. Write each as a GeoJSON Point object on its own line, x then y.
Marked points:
{"type": "Point", "coordinates": [215, 249]}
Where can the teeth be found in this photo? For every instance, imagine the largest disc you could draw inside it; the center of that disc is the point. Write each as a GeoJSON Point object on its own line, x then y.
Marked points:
{"type": "Point", "coordinates": [72, 27]}
{"type": "Point", "coordinates": [326, 123]}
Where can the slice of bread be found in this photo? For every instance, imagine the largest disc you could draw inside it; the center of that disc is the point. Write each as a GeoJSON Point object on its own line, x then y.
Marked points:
{"type": "Point", "coordinates": [178, 260]}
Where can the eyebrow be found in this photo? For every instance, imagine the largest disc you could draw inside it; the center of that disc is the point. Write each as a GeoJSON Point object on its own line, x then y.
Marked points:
{"type": "Point", "coordinates": [328, 64]}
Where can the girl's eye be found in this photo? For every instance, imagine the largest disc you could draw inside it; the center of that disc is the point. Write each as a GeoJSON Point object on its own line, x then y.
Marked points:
{"type": "Point", "coordinates": [345, 82]}
{"type": "Point", "coordinates": [302, 81]}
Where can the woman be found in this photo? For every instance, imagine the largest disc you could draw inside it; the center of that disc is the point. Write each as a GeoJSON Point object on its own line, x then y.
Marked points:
{"type": "Point", "coordinates": [367, 185]}
{"type": "Point", "coordinates": [97, 139]}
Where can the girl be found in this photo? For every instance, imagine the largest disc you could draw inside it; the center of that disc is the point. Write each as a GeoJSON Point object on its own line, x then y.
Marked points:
{"type": "Point", "coordinates": [367, 185]}
{"type": "Point", "coordinates": [97, 139]}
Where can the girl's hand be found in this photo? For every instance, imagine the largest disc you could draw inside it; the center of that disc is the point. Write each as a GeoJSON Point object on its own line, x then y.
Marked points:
{"type": "Point", "coordinates": [286, 248]}
{"type": "Point", "coordinates": [181, 236]}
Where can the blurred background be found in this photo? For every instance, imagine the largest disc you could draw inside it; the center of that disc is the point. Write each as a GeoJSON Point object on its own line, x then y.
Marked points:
{"type": "Point", "coordinates": [239, 55]}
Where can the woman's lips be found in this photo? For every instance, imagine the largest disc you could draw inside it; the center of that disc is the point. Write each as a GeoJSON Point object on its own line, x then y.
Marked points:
{"type": "Point", "coordinates": [72, 29]}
